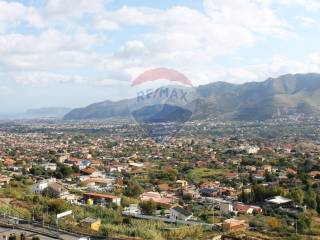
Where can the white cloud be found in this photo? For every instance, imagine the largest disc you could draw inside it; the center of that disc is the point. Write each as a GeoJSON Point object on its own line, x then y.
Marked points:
{"type": "Point", "coordinates": [177, 36]}
{"type": "Point", "coordinates": [48, 41]}
{"type": "Point", "coordinates": [279, 65]}
{"type": "Point", "coordinates": [12, 13]}
{"type": "Point", "coordinates": [309, 5]}
{"type": "Point", "coordinates": [45, 78]}
{"type": "Point", "coordinates": [105, 24]}
{"type": "Point", "coordinates": [306, 21]}
{"type": "Point", "coordinates": [254, 15]}
{"type": "Point", "coordinates": [49, 50]}
{"type": "Point", "coordinates": [72, 8]}
{"type": "Point", "coordinates": [135, 15]}
{"type": "Point", "coordinates": [180, 37]}
{"type": "Point", "coordinates": [189, 40]}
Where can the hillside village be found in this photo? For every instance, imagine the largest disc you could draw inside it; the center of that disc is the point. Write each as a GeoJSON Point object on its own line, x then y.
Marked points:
{"type": "Point", "coordinates": [222, 185]}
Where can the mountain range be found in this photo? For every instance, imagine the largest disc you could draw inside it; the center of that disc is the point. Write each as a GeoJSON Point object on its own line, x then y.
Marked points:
{"type": "Point", "coordinates": [286, 95]}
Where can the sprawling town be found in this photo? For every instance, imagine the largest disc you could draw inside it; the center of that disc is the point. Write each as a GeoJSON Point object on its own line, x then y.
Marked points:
{"type": "Point", "coordinates": [212, 180]}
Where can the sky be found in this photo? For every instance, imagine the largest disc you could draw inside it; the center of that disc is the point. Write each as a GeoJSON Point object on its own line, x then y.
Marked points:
{"type": "Point", "coordinates": [72, 53]}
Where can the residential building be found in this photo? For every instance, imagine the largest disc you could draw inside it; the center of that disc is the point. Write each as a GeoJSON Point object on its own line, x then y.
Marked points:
{"type": "Point", "coordinates": [179, 213]}
{"type": "Point", "coordinates": [101, 199]}
{"type": "Point", "coordinates": [226, 207]}
{"type": "Point", "coordinates": [231, 225]}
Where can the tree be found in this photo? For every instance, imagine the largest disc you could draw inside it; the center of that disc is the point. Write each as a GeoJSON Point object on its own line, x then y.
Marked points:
{"type": "Point", "coordinates": [260, 193]}
{"type": "Point", "coordinates": [148, 207]}
{"type": "Point", "coordinates": [187, 197]}
{"type": "Point", "coordinates": [133, 189]}
{"type": "Point", "coordinates": [12, 237]}
{"type": "Point", "coordinates": [269, 176]}
{"type": "Point", "coordinates": [37, 170]}
{"type": "Point", "coordinates": [22, 236]}
{"type": "Point", "coordinates": [303, 223]}
{"type": "Point", "coordinates": [310, 198]}
{"type": "Point", "coordinates": [169, 174]}
{"type": "Point", "coordinates": [244, 196]}
{"type": "Point", "coordinates": [57, 205]}
{"type": "Point", "coordinates": [318, 203]}
{"type": "Point", "coordinates": [297, 195]}
{"type": "Point", "coordinates": [63, 171]}
{"type": "Point", "coordinates": [75, 169]}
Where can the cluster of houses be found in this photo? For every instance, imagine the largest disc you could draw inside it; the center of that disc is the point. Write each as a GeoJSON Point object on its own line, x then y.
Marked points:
{"type": "Point", "coordinates": [102, 170]}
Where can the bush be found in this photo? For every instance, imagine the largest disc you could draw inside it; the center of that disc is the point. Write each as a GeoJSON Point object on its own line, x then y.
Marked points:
{"type": "Point", "coordinates": [148, 207]}
{"type": "Point", "coordinates": [133, 189]}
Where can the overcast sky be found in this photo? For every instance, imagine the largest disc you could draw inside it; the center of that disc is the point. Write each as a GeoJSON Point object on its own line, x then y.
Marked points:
{"type": "Point", "coordinates": [75, 52]}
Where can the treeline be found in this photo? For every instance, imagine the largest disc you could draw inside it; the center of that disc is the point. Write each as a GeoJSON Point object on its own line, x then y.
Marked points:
{"type": "Point", "coordinates": [306, 196]}
{"type": "Point", "coordinates": [62, 171]}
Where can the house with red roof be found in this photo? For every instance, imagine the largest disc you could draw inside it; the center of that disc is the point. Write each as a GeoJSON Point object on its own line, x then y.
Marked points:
{"type": "Point", "coordinates": [8, 162]}
{"type": "Point", "coordinates": [158, 198]}
{"type": "Point", "coordinates": [101, 199]}
{"type": "Point", "coordinates": [87, 171]}
{"type": "Point", "coordinates": [246, 209]}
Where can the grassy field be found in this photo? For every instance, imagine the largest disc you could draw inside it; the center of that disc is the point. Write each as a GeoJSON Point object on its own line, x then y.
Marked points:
{"type": "Point", "coordinates": [200, 174]}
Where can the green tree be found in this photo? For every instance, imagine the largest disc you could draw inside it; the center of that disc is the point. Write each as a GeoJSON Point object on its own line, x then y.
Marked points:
{"type": "Point", "coordinates": [133, 189]}
{"type": "Point", "coordinates": [12, 237]}
{"type": "Point", "coordinates": [57, 205]}
{"type": "Point", "coordinates": [303, 223]}
{"type": "Point", "coordinates": [310, 198]}
{"type": "Point", "coordinates": [260, 193]}
{"type": "Point", "coordinates": [37, 170]}
{"type": "Point", "coordinates": [187, 197]}
{"type": "Point", "coordinates": [297, 195]}
{"type": "Point", "coordinates": [148, 207]}
{"type": "Point", "coordinates": [63, 171]}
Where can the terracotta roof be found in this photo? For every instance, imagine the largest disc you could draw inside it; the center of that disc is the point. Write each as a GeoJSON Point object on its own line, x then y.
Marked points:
{"type": "Point", "coordinates": [292, 171]}
{"type": "Point", "coordinates": [4, 178]}
{"type": "Point", "coordinates": [164, 186]}
{"type": "Point", "coordinates": [100, 195]}
{"type": "Point", "coordinates": [9, 162]}
{"type": "Point", "coordinates": [241, 207]}
{"type": "Point", "coordinates": [95, 162]}
{"type": "Point", "coordinates": [231, 175]}
{"type": "Point", "coordinates": [97, 180]}
{"type": "Point", "coordinates": [314, 173]}
{"type": "Point", "coordinates": [88, 170]}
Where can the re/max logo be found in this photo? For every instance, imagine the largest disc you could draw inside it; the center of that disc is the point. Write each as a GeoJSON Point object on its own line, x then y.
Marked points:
{"type": "Point", "coordinates": [162, 93]}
